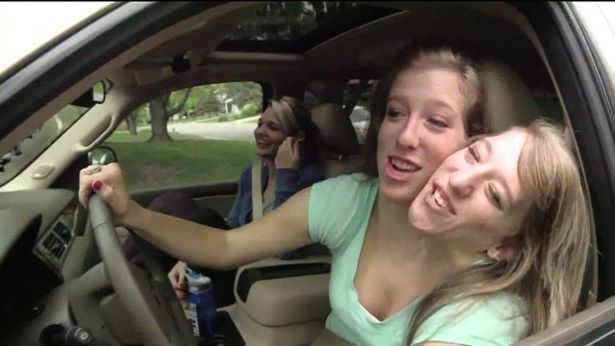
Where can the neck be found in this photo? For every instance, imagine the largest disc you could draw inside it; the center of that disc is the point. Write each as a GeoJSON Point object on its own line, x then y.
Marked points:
{"type": "Point", "coordinates": [392, 224]}
{"type": "Point", "coordinates": [270, 166]}
{"type": "Point", "coordinates": [452, 253]}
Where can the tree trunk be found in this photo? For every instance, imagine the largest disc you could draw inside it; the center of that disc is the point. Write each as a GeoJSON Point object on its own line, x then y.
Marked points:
{"type": "Point", "coordinates": [159, 115]}
{"type": "Point", "coordinates": [131, 124]}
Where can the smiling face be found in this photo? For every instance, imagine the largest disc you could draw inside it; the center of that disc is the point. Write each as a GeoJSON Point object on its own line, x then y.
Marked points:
{"type": "Point", "coordinates": [269, 135]}
{"type": "Point", "coordinates": [422, 125]}
{"type": "Point", "coordinates": [476, 194]}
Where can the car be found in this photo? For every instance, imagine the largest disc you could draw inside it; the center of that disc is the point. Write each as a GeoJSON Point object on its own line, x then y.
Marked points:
{"type": "Point", "coordinates": [67, 100]}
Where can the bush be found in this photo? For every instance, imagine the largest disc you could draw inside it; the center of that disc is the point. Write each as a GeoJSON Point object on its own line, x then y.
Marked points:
{"type": "Point", "coordinates": [249, 110]}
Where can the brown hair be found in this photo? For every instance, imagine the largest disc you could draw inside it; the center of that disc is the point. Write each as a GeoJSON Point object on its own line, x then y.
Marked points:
{"type": "Point", "coordinates": [551, 247]}
{"type": "Point", "coordinates": [471, 88]}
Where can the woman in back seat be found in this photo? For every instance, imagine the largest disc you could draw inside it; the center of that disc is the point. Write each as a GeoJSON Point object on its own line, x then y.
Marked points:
{"type": "Point", "coordinates": [287, 144]}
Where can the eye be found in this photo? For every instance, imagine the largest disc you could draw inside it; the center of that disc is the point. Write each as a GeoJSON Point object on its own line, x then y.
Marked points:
{"type": "Point", "coordinates": [437, 122]}
{"type": "Point", "coordinates": [494, 195]}
{"type": "Point", "coordinates": [273, 127]}
{"type": "Point", "coordinates": [474, 152]}
{"type": "Point", "coordinates": [393, 113]}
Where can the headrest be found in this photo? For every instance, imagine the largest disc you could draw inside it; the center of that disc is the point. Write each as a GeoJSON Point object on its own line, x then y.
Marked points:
{"type": "Point", "coordinates": [335, 128]}
{"type": "Point", "coordinates": [508, 101]}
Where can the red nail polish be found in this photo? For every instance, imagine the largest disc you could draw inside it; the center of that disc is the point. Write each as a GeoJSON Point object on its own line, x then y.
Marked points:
{"type": "Point", "coordinates": [97, 185]}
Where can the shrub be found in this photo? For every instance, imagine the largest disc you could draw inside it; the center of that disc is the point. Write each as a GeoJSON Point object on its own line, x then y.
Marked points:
{"type": "Point", "coordinates": [249, 110]}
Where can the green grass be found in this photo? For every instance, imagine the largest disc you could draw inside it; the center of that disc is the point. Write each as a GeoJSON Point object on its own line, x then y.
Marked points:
{"type": "Point", "coordinates": [181, 162]}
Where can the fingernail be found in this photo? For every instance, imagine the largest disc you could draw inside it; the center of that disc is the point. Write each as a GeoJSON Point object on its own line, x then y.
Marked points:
{"type": "Point", "coordinates": [97, 185]}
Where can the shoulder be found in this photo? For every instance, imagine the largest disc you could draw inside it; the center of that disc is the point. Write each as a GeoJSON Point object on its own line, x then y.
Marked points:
{"type": "Point", "coordinates": [356, 181]}
{"type": "Point", "coordinates": [246, 174]}
{"type": "Point", "coordinates": [496, 319]}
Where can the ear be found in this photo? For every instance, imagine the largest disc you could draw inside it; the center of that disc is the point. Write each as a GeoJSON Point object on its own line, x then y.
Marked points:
{"type": "Point", "coordinates": [494, 252]}
{"type": "Point", "coordinates": [501, 252]}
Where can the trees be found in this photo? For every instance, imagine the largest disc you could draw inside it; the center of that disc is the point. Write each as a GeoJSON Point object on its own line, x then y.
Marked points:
{"type": "Point", "coordinates": [161, 109]}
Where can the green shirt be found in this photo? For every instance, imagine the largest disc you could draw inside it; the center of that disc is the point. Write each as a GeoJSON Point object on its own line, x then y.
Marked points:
{"type": "Point", "coordinates": [338, 214]}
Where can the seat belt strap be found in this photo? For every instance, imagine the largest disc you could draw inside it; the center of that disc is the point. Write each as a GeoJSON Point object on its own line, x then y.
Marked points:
{"type": "Point", "coordinates": [257, 192]}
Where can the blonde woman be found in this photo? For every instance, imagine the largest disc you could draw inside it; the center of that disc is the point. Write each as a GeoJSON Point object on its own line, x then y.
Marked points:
{"type": "Point", "coordinates": [287, 145]}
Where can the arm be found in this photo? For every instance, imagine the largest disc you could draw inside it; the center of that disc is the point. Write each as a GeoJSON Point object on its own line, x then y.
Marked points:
{"type": "Point", "coordinates": [242, 186]}
{"type": "Point", "coordinates": [289, 178]}
{"type": "Point", "coordinates": [289, 181]}
{"type": "Point", "coordinates": [281, 230]}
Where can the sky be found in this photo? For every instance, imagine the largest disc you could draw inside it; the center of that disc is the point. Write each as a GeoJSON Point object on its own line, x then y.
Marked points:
{"type": "Point", "coordinates": [25, 26]}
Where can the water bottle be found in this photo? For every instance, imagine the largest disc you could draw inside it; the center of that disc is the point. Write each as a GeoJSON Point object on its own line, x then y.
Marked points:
{"type": "Point", "coordinates": [202, 305]}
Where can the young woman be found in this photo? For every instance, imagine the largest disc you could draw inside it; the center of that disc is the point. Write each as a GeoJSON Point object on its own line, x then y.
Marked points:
{"type": "Point", "coordinates": [429, 106]}
{"type": "Point", "coordinates": [287, 144]}
{"type": "Point", "coordinates": [288, 152]}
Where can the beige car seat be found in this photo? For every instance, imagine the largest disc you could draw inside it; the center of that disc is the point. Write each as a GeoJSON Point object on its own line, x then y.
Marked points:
{"type": "Point", "coordinates": [340, 147]}
{"type": "Point", "coordinates": [508, 101]}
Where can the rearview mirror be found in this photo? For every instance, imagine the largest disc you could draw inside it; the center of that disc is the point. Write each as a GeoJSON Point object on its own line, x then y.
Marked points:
{"type": "Point", "coordinates": [93, 96]}
{"type": "Point", "coordinates": [101, 156]}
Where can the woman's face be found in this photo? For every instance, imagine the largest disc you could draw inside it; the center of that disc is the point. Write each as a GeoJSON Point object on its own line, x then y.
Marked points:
{"type": "Point", "coordinates": [475, 194]}
{"type": "Point", "coordinates": [268, 134]}
{"type": "Point", "coordinates": [422, 125]}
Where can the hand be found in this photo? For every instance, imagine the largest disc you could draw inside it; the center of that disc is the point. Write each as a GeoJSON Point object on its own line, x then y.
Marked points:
{"type": "Point", "coordinates": [177, 277]}
{"type": "Point", "coordinates": [108, 183]}
{"type": "Point", "coordinates": [289, 153]}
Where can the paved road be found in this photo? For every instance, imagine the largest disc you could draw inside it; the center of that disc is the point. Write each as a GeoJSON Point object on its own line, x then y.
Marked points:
{"type": "Point", "coordinates": [229, 130]}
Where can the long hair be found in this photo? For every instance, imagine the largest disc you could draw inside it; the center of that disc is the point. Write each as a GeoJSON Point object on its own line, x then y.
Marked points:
{"type": "Point", "coordinates": [294, 117]}
{"type": "Point", "coordinates": [471, 88]}
{"type": "Point", "coordinates": [551, 247]}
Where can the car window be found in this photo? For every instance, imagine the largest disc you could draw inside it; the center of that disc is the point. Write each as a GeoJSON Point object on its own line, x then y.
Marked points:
{"type": "Point", "coordinates": [13, 162]}
{"type": "Point", "coordinates": [190, 136]}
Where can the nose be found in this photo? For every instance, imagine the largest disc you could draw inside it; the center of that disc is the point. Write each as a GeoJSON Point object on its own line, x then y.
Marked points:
{"type": "Point", "coordinates": [258, 129]}
{"type": "Point", "coordinates": [464, 182]}
{"type": "Point", "coordinates": [409, 136]}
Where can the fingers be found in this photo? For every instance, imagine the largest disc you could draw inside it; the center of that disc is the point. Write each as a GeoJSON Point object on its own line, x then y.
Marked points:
{"type": "Point", "coordinates": [296, 145]}
{"type": "Point", "coordinates": [85, 182]}
{"type": "Point", "coordinates": [177, 276]}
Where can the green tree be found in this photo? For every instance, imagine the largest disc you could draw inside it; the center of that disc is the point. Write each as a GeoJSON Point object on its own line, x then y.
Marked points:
{"type": "Point", "coordinates": [162, 108]}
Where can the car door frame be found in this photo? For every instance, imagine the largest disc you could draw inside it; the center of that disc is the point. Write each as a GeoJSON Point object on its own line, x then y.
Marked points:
{"type": "Point", "coordinates": [580, 83]}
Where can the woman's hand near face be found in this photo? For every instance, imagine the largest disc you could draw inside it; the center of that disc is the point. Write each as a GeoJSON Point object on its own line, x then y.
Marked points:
{"type": "Point", "coordinates": [288, 153]}
{"type": "Point", "coordinates": [106, 181]}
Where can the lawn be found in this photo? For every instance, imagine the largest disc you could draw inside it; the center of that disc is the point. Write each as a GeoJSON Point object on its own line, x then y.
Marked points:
{"type": "Point", "coordinates": [186, 160]}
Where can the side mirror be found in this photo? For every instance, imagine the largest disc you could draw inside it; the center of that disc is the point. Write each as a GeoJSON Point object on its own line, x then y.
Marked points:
{"type": "Point", "coordinates": [101, 156]}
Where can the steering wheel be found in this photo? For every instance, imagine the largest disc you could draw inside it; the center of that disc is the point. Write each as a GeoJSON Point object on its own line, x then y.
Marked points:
{"type": "Point", "coordinates": [158, 320]}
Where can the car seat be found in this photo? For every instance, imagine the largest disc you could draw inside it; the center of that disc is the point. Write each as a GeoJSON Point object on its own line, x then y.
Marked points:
{"type": "Point", "coordinates": [340, 146]}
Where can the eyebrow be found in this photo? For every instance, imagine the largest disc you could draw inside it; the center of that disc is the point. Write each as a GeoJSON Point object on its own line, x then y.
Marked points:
{"type": "Point", "coordinates": [439, 103]}
{"type": "Point", "coordinates": [508, 195]}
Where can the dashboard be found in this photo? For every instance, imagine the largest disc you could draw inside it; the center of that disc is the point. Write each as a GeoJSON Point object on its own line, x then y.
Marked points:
{"type": "Point", "coordinates": [37, 231]}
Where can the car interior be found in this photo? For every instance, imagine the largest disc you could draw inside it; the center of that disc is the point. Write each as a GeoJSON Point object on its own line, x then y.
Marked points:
{"type": "Point", "coordinates": [61, 264]}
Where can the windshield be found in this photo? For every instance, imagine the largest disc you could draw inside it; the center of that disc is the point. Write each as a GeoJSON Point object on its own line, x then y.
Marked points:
{"type": "Point", "coordinates": [18, 158]}
{"type": "Point", "coordinates": [36, 26]}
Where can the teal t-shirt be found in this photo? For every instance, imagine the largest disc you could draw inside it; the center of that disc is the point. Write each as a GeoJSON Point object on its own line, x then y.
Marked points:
{"type": "Point", "coordinates": [338, 215]}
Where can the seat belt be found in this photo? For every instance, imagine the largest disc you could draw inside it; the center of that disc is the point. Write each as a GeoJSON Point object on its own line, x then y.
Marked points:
{"type": "Point", "coordinates": [257, 192]}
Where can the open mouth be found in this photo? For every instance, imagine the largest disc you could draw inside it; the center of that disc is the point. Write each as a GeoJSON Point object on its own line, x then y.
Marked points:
{"type": "Point", "coordinates": [403, 165]}
{"type": "Point", "coordinates": [261, 142]}
{"type": "Point", "coordinates": [441, 199]}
